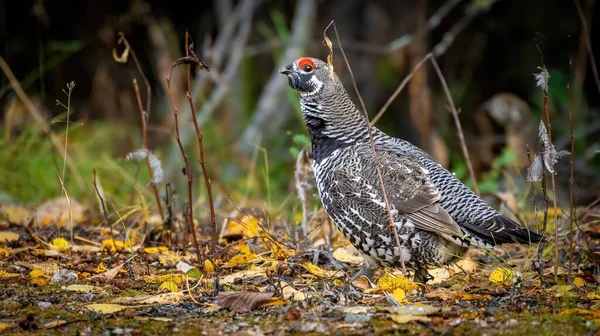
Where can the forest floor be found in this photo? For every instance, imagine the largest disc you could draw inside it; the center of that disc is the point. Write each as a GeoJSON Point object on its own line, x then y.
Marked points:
{"type": "Point", "coordinates": [83, 277]}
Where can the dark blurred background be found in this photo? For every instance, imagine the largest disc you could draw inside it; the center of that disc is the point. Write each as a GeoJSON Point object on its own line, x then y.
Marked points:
{"type": "Point", "coordinates": [488, 51]}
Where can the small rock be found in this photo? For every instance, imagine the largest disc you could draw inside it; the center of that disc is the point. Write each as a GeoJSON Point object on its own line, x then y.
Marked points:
{"type": "Point", "coordinates": [357, 318]}
{"type": "Point", "coordinates": [88, 296]}
{"type": "Point", "coordinates": [512, 322]}
{"type": "Point", "coordinates": [64, 276]}
{"type": "Point", "coordinates": [44, 304]}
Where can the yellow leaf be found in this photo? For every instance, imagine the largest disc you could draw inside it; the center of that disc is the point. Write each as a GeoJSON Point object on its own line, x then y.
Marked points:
{"type": "Point", "coordinates": [4, 274]}
{"type": "Point", "coordinates": [319, 272]}
{"type": "Point", "coordinates": [593, 296]}
{"type": "Point", "coordinates": [275, 302]}
{"type": "Point", "coordinates": [59, 244]}
{"type": "Point", "coordinates": [157, 249]}
{"type": "Point", "coordinates": [105, 308]}
{"type": "Point", "coordinates": [502, 275]}
{"type": "Point", "coordinates": [41, 281]}
{"type": "Point", "coordinates": [389, 283]}
{"type": "Point", "coordinates": [208, 266]}
{"type": "Point", "coordinates": [399, 295]}
{"type": "Point", "coordinates": [8, 236]}
{"type": "Point", "coordinates": [4, 326]}
{"type": "Point", "coordinates": [245, 256]}
{"type": "Point", "coordinates": [163, 298]}
{"type": "Point", "coordinates": [169, 286]}
{"type": "Point", "coordinates": [36, 273]}
{"type": "Point", "coordinates": [338, 283]}
{"type": "Point", "coordinates": [579, 282]}
{"type": "Point", "coordinates": [112, 245]}
{"type": "Point", "coordinates": [471, 297]}
{"type": "Point", "coordinates": [4, 251]}
{"type": "Point", "coordinates": [101, 268]}
{"type": "Point", "coordinates": [247, 226]}
{"type": "Point", "coordinates": [168, 258]}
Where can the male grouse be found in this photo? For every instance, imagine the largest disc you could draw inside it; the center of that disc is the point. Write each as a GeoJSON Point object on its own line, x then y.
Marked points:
{"type": "Point", "coordinates": [437, 217]}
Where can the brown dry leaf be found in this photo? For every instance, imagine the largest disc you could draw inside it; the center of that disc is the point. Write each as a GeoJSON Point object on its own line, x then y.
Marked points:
{"type": "Point", "coordinates": [355, 310]}
{"type": "Point", "coordinates": [240, 302]}
{"type": "Point", "coordinates": [8, 236]}
{"type": "Point", "coordinates": [108, 275]}
{"type": "Point", "coordinates": [106, 308]}
{"type": "Point", "coordinates": [408, 318]}
{"type": "Point", "coordinates": [348, 254]}
{"type": "Point", "coordinates": [86, 248]}
{"type": "Point", "coordinates": [466, 265]}
{"type": "Point", "coordinates": [442, 294]}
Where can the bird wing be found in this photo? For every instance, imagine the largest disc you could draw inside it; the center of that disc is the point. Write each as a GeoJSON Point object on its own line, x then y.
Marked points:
{"type": "Point", "coordinates": [408, 188]}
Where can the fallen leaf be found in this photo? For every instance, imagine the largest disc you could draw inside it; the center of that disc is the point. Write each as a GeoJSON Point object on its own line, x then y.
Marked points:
{"type": "Point", "coordinates": [321, 273]}
{"type": "Point", "coordinates": [112, 245]}
{"type": "Point", "coordinates": [355, 310]}
{"type": "Point", "coordinates": [49, 324]}
{"type": "Point", "coordinates": [59, 244]}
{"type": "Point", "coordinates": [156, 249]}
{"type": "Point", "coordinates": [108, 275]}
{"type": "Point", "coordinates": [579, 282]}
{"type": "Point", "coordinates": [189, 270]}
{"type": "Point", "coordinates": [247, 226]}
{"type": "Point", "coordinates": [8, 236]}
{"type": "Point", "coordinates": [408, 318]}
{"type": "Point", "coordinates": [247, 274]}
{"type": "Point", "coordinates": [36, 273]}
{"type": "Point", "coordinates": [466, 265]}
{"type": "Point", "coordinates": [439, 274]}
{"type": "Point", "coordinates": [101, 268]}
{"type": "Point", "coordinates": [242, 258]}
{"type": "Point", "coordinates": [4, 274]}
{"type": "Point", "coordinates": [412, 310]}
{"type": "Point", "coordinates": [239, 302]}
{"type": "Point", "coordinates": [4, 326]}
{"type": "Point", "coordinates": [169, 286]}
{"type": "Point", "coordinates": [175, 278]}
{"type": "Point", "coordinates": [442, 294]}
{"type": "Point", "coordinates": [594, 314]}
{"type": "Point", "coordinates": [471, 297]}
{"type": "Point", "coordinates": [208, 266]}
{"type": "Point", "coordinates": [106, 308]}
{"type": "Point", "coordinates": [348, 254]}
{"type": "Point", "coordinates": [593, 296]}
{"type": "Point", "coordinates": [82, 288]}
{"type": "Point", "coordinates": [4, 251]}
{"type": "Point", "coordinates": [275, 302]}
{"type": "Point", "coordinates": [288, 292]}
{"type": "Point", "coordinates": [163, 298]}
{"type": "Point", "coordinates": [502, 275]}
{"type": "Point", "coordinates": [211, 308]}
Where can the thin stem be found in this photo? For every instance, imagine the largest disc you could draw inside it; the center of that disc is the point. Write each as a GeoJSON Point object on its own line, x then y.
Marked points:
{"type": "Point", "coordinates": [143, 116]}
{"type": "Point", "coordinates": [103, 207]}
{"type": "Point", "coordinates": [188, 173]}
{"type": "Point", "coordinates": [375, 155]}
{"type": "Point", "coordinates": [571, 163]}
{"type": "Point", "coordinates": [213, 241]}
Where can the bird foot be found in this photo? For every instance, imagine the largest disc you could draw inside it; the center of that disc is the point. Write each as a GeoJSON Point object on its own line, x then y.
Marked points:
{"type": "Point", "coordinates": [366, 271]}
{"type": "Point", "coordinates": [422, 276]}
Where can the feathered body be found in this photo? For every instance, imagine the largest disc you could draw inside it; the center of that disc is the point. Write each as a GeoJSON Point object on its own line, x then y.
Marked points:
{"type": "Point", "coordinates": [436, 216]}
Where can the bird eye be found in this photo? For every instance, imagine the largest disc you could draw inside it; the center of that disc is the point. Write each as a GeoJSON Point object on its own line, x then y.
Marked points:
{"type": "Point", "coordinates": [307, 68]}
{"type": "Point", "coordinates": [306, 64]}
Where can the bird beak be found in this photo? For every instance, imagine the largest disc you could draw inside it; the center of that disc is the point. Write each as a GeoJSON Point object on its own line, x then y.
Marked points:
{"type": "Point", "coordinates": [286, 70]}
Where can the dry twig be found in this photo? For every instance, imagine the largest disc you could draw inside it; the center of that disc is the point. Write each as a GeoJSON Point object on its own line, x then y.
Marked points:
{"type": "Point", "coordinates": [375, 156]}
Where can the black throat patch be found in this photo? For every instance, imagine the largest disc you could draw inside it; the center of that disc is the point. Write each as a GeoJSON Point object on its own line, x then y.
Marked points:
{"type": "Point", "coordinates": [322, 145]}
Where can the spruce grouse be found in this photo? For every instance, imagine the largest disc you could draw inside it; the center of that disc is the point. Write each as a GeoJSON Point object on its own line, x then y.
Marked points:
{"type": "Point", "coordinates": [437, 217]}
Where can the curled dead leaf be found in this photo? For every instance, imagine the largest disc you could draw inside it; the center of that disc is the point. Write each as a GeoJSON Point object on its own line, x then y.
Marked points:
{"type": "Point", "coordinates": [239, 302]}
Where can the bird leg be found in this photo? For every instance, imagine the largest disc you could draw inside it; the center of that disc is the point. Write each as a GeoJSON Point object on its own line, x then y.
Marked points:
{"type": "Point", "coordinates": [422, 275]}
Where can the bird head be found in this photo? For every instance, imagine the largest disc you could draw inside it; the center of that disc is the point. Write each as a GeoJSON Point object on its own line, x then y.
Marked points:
{"type": "Point", "coordinates": [307, 75]}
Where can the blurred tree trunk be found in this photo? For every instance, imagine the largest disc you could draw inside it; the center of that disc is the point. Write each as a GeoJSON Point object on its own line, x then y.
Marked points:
{"type": "Point", "coordinates": [418, 88]}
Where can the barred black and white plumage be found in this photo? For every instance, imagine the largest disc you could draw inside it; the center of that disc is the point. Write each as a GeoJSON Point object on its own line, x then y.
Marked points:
{"type": "Point", "coordinates": [437, 217]}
